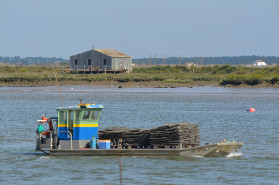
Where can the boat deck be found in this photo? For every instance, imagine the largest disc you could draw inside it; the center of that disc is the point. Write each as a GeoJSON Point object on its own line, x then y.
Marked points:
{"type": "Point", "coordinates": [210, 150]}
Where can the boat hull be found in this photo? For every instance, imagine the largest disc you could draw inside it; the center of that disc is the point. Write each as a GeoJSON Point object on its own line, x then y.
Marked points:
{"type": "Point", "coordinates": [210, 150]}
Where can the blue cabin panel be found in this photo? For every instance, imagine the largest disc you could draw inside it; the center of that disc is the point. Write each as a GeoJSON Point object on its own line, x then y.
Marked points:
{"type": "Point", "coordinates": [64, 134]}
{"type": "Point", "coordinates": [80, 121]}
{"type": "Point", "coordinates": [86, 133]}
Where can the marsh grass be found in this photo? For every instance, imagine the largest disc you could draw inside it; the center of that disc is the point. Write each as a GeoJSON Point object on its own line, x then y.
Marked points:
{"type": "Point", "coordinates": [222, 74]}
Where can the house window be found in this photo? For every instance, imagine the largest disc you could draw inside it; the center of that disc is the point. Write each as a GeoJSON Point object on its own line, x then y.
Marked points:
{"type": "Point", "coordinates": [104, 62]}
{"type": "Point", "coordinates": [75, 61]}
{"type": "Point", "coordinates": [89, 62]}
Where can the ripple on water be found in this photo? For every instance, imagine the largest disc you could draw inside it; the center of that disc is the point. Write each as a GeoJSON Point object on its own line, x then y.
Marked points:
{"type": "Point", "coordinates": [220, 113]}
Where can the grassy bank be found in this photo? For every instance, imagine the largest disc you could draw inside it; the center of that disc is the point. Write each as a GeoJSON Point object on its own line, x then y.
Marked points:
{"type": "Point", "coordinates": [150, 76]}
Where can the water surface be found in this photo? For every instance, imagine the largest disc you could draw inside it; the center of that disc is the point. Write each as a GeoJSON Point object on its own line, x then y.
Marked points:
{"type": "Point", "coordinates": [220, 113]}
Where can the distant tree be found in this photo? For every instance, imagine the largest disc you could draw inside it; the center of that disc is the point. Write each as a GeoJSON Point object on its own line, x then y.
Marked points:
{"type": "Point", "coordinates": [226, 60]}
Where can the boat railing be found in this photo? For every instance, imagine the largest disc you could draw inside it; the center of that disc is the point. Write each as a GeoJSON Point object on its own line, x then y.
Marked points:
{"type": "Point", "coordinates": [51, 139]}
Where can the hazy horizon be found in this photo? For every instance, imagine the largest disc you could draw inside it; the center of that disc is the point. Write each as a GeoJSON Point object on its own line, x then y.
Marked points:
{"type": "Point", "coordinates": [185, 28]}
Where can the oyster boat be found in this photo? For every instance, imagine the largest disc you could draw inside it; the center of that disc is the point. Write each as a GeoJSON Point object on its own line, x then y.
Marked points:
{"type": "Point", "coordinates": [70, 134]}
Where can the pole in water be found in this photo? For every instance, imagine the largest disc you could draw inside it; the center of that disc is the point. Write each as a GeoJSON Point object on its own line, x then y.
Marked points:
{"type": "Point", "coordinates": [120, 169]}
{"type": "Point", "coordinates": [58, 88]}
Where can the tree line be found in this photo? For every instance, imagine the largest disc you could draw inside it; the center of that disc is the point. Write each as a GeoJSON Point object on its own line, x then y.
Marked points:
{"type": "Point", "coordinates": [32, 60]}
{"type": "Point", "coordinates": [225, 60]}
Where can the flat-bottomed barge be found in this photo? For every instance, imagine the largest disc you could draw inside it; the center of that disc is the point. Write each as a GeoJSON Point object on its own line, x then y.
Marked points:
{"type": "Point", "coordinates": [210, 150]}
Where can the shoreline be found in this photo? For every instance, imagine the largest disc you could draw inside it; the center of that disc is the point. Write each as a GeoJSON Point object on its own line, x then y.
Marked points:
{"type": "Point", "coordinates": [152, 84]}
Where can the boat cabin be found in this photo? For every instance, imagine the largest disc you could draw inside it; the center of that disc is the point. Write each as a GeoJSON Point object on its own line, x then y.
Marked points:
{"type": "Point", "coordinates": [76, 125]}
{"type": "Point", "coordinates": [79, 123]}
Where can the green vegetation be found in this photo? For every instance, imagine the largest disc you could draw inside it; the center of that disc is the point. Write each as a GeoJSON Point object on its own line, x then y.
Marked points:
{"type": "Point", "coordinates": [223, 74]}
{"type": "Point", "coordinates": [172, 75]}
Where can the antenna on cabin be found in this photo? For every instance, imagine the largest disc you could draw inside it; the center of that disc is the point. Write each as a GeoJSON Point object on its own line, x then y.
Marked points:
{"type": "Point", "coordinates": [80, 101]}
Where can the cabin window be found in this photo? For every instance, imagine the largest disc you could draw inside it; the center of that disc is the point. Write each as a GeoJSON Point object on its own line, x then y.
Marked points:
{"type": "Point", "coordinates": [77, 115]}
{"type": "Point", "coordinates": [105, 62]}
{"type": "Point", "coordinates": [90, 115]}
{"type": "Point", "coordinates": [89, 62]}
{"type": "Point", "coordinates": [95, 115]}
{"type": "Point", "coordinates": [75, 61]}
{"type": "Point", "coordinates": [71, 118]}
{"type": "Point", "coordinates": [71, 115]}
{"type": "Point", "coordinates": [62, 117]}
{"type": "Point", "coordinates": [86, 115]}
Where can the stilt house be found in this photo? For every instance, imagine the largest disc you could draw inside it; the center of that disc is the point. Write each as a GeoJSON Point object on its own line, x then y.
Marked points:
{"type": "Point", "coordinates": [101, 60]}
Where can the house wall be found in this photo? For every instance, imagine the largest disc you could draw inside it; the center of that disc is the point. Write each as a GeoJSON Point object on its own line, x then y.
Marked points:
{"type": "Point", "coordinates": [259, 64]}
{"type": "Point", "coordinates": [97, 60]}
{"type": "Point", "coordinates": [122, 63]}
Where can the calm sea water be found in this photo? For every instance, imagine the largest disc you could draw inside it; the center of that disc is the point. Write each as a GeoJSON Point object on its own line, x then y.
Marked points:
{"type": "Point", "coordinates": [220, 113]}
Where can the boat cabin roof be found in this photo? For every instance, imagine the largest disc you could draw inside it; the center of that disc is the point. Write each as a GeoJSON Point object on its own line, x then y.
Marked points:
{"type": "Point", "coordinates": [82, 106]}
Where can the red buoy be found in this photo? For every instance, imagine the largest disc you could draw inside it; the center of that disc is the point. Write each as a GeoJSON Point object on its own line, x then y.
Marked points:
{"type": "Point", "coordinates": [252, 110]}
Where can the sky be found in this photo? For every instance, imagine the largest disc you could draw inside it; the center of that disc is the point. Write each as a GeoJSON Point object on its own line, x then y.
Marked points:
{"type": "Point", "coordinates": [171, 28]}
